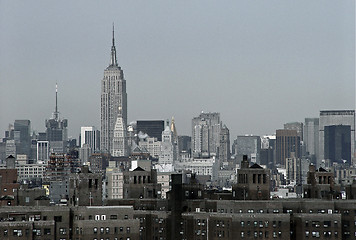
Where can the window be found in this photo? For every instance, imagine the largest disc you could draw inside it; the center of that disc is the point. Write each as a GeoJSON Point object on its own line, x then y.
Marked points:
{"type": "Point", "coordinates": [128, 229]}
{"type": "Point", "coordinates": [107, 230]}
{"type": "Point", "coordinates": [101, 230]}
{"type": "Point", "coordinates": [62, 231]}
{"type": "Point", "coordinates": [113, 217]}
{"type": "Point", "coordinates": [47, 231]}
{"type": "Point", "coordinates": [95, 230]}
{"type": "Point", "coordinates": [103, 217]}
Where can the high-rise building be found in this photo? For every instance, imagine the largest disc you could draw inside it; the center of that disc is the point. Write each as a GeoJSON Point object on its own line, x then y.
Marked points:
{"type": "Point", "coordinates": [90, 136]}
{"type": "Point", "coordinates": [152, 128]}
{"type": "Point", "coordinates": [311, 138]}
{"type": "Point", "coordinates": [168, 147]}
{"type": "Point", "coordinates": [56, 131]}
{"type": "Point", "coordinates": [224, 146]}
{"type": "Point", "coordinates": [337, 136]}
{"type": "Point", "coordinates": [287, 142]}
{"type": "Point", "coordinates": [113, 101]}
{"type": "Point", "coordinates": [22, 128]}
{"type": "Point", "coordinates": [206, 134]}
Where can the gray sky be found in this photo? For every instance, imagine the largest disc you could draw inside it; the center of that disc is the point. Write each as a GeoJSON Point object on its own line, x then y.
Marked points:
{"type": "Point", "coordinates": [259, 63]}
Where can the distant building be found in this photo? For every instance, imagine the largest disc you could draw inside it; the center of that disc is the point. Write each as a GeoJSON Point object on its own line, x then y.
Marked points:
{"type": "Point", "coordinates": [151, 145]}
{"type": "Point", "coordinates": [337, 136]}
{"type": "Point", "coordinates": [224, 145]}
{"type": "Point", "coordinates": [42, 151]}
{"type": "Point", "coordinates": [113, 101]}
{"type": "Point", "coordinates": [248, 145]}
{"type": "Point", "coordinates": [168, 153]}
{"type": "Point", "coordinates": [311, 138]}
{"type": "Point", "coordinates": [22, 131]}
{"type": "Point", "coordinates": [206, 135]}
{"type": "Point", "coordinates": [120, 145]}
{"type": "Point", "coordinates": [56, 131]}
{"type": "Point", "coordinates": [90, 136]}
{"type": "Point", "coordinates": [152, 128]}
{"type": "Point", "coordinates": [287, 141]}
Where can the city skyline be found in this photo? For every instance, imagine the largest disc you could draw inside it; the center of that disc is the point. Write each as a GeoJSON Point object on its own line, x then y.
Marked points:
{"type": "Point", "coordinates": [283, 63]}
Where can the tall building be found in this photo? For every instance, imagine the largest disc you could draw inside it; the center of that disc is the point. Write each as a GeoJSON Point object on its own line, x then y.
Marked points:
{"type": "Point", "coordinates": [22, 129]}
{"type": "Point", "coordinates": [152, 128]}
{"type": "Point", "coordinates": [311, 138]}
{"type": "Point", "coordinates": [56, 131]}
{"type": "Point", "coordinates": [168, 147]}
{"type": "Point", "coordinates": [113, 101]}
{"type": "Point", "coordinates": [120, 147]}
{"type": "Point", "coordinates": [206, 134]}
{"type": "Point", "coordinates": [337, 136]}
{"type": "Point", "coordinates": [224, 145]}
{"type": "Point", "coordinates": [287, 142]}
{"type": "Point", "coordinates": [90, 136]}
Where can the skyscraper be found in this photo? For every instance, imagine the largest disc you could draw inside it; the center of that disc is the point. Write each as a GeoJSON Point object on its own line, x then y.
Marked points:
{"type": "Point", "coordinates": [206, 134]}
{"type": "Point", "coordinates": [311, 138]}
{"type": "Point", "coordinates": [113, 100]}
{"type": "Point", "coordinates": [287, 142]}
{"type": "Point", "coordinates": [56, 131]}
{"type": "Point", "coordinates": [337, 136]}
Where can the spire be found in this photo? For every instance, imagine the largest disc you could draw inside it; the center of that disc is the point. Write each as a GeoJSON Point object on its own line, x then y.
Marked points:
{"type": "Point", "coordinates": [113, 49]}
{"type": "Point", "coordinates": [173, 127]}
{"type": "Point", "coordinates": [56, 113]}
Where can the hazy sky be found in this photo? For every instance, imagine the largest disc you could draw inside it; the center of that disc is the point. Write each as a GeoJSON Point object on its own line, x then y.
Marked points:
{"type": "Point", "coordinates": [259, 63]}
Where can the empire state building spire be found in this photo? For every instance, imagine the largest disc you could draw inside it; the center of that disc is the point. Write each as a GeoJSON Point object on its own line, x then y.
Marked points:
{"type": "Point", "coordinates": [113, 61]}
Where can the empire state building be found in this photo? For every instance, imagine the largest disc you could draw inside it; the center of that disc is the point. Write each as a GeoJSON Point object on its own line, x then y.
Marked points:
{"type": "Point", "coordinates": [113, 103]}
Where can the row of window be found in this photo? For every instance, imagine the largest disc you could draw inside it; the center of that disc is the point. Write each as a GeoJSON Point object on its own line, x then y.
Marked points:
{"type": "Point", "coordinates": [106, 230]}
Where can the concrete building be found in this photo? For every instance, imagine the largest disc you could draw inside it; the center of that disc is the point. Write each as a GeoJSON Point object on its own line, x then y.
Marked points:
{"type": "Point", "coordinates": [113, 101]}
{"type": "Point", "coordinates": [337, 136]}
{"type": "Point", "coordinates": [206, 135]}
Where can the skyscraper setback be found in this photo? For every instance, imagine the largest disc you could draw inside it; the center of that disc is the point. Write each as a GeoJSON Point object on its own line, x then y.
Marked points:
{"type": "Point", "coordinates": [113, 102]}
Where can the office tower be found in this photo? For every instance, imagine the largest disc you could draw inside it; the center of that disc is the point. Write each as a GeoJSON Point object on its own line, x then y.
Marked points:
{"type": "Point", "coordinates": [152, 128]}
{"type": "Point", "coordinates": [119, 147]}
{"type": "Point", "coordinates": [22, 131]}
{"type": "Point", "coordinates": [90, 136]}
{"type": "Point", "coordinates": [249, 145]}
{"type": "Point", "coordinates": [287, 141]}
{"type": "Point", "coordinates": [113, 101]}
{"type": "Point", "coordinates": [168, 147]}
{"type": "Point", "coordinates": [311, 138]}
{"type": "Point", "coordinates": [56, 131]}
{"type": "Point", "coordinates": [224, 145]}
{"type": "Point", "coordinates": [206, 134]}
{"type": "Point", "coordinates": [337, 136]}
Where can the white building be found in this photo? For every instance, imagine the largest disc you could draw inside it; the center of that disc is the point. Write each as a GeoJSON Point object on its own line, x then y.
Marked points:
{"type": "Point", "coordinates": [90, 136]}
{"type": "Point", "coordinates": [168, 153]}
{"type": "Point", "coordinates": [151, 144]}
{"type": "Point", "coordinates": [200, 166]}
{"type": "Point", "coordinates": [42, 151]}
{"type": "Point", "coordinates": [115, 182]}
{"type": "Point", "coordinates": [119, 146]}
